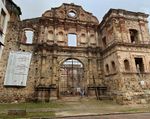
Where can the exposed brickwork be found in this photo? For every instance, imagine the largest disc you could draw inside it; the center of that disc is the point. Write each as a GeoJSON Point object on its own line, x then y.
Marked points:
{"type": "Point", "coordinates": [98, 45]}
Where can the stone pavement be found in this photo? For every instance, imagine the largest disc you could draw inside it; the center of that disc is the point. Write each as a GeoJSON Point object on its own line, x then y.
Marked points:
{"type": "Point", "coordinates": [93, 107]}
{"type": "Point", "coordinates": [114, 116]}
{"type": "Point", "coordinates": [77, 107]}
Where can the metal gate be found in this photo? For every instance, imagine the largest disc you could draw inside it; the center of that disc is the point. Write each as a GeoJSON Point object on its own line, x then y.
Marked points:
{"type": "Point", "coordinates": [72, 78]}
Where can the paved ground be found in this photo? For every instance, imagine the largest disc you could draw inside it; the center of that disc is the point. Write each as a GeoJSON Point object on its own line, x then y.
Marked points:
{"type": "Point", "coordinates": [122, 116]}
{"type": "Point", "coordinates": [94, 107]}
{"type": "Point", "coordinates": [76, 106]}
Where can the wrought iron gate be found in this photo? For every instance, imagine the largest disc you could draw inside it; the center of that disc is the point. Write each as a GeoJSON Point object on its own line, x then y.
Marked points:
{"type": "Point", "coordinates": [72, 77]}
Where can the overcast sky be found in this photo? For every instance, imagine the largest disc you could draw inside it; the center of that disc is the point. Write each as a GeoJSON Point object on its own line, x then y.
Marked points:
{"type": "Point", "coordinates": [35, 8]}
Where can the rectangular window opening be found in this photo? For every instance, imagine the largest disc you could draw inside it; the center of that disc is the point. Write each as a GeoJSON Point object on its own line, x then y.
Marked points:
{"type": "Point", "coordinates": [139, 65]}
{"type": "Point", "coordinates": [72, 40]}
{"type": "Point", "coordinates": [133, 35]}
{"type": "Point", "coordinates": [29, 36]}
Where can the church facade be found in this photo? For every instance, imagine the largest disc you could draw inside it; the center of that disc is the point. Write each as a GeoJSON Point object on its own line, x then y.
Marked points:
{"type": "Point", "coordinates": [67, 50]}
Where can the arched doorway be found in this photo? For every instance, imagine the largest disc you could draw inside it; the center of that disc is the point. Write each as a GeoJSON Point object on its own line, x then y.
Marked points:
{"type": "Point", "coordinates": [71, 78]}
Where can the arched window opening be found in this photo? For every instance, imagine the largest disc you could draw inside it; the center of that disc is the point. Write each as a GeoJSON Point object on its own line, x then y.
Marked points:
{"type": "Point", "coordinates": [75, 62]}
{"type": "Point", "coordinates": [126, 65]}
{"type": "Point", "coordinates": [72, 40]}
{"type": "Point", "coordinates": [107, 68]}
{"type": "Point", "coordinates": [60, 36]}
{"type": "Point", "coordinates": [113, 66]}
{"type": "Point", "coordinates": [28, 36]}
{"type": "Point", "coordinates": [133, 35]}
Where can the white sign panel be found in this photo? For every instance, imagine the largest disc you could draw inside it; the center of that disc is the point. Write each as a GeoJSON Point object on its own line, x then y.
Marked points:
{"type": "Point", "coordinates": [17, 68]}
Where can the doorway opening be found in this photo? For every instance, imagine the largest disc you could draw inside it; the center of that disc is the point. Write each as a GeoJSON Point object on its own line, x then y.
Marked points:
{"type": "Point", "coordinates": [71, 78]}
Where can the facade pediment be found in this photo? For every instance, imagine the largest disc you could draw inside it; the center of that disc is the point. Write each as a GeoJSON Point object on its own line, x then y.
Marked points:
{"type": "Point", "coordinates": [71, 12]}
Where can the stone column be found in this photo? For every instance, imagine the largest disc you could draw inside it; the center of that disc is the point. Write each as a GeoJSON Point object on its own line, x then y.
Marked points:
{"type": "Point", "coordinates": [88, 37]}
{"type": "Point", "coordinates": [55, 35]}
{"type": "Point", "coordinates": [42, 36]}
{"type": "Point", "coordinates": [90, 78]}
{"type": "Point", "coordinates": [90, 71]}
{"type": "Point", "coordinates": [141, 35]}
{"type": "Point", "coordinates": [51, 69]}
{"type": "Point", "coordinates": [54, 68]}
{"type": "Point", "coordinates": [96, 39]}
{"type": "Point", "coordinates": [46, 34]}
{"type": "Point", "coordinates": [115, 25]}
{"type": "Point", "coordinates": [43, 67]}
{"type": "Point", "coordinates": [55, 78]}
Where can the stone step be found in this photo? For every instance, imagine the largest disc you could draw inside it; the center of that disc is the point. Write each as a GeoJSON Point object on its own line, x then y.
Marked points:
{"type": "Point", "coordinates": [104, 97]}
{"type": "Point", "coordinates": [17, 112]}
{"type": "Point", "coordinates": [73, 99]}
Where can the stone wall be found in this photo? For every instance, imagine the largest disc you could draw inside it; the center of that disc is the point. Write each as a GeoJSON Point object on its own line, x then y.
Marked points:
{"type": "Point", "coordinates": [101, 48]}
{"type": "Point", "coordinates": [126, 85]}
{"type": "Point", "coordinates": [49, 48]}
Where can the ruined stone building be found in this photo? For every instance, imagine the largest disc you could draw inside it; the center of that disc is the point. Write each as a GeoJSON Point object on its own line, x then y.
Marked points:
{"type": "Point", "coordinates": [6, 7]}
{"type": "Point", "coordinates": [67, 49]}
{"type": "Point", "coordinates": [4, 17]}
